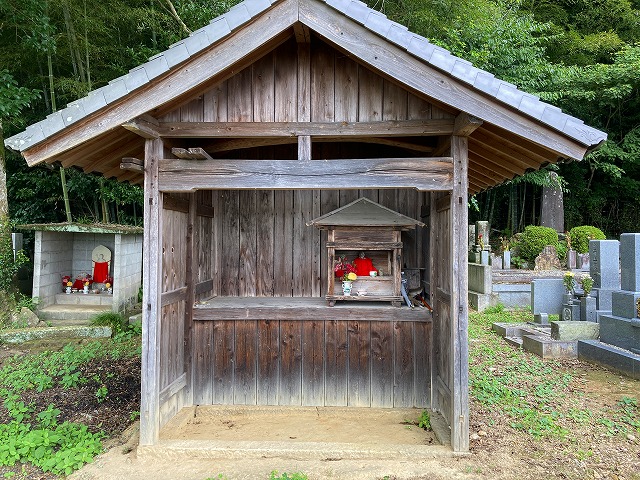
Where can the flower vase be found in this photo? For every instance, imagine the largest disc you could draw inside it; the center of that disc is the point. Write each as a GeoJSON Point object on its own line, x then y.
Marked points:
{"type": "Point", "coordinates": [346, 288]}
{"type": "Point", "coordinates": [85, 290]}
{"type": "Point", "coordinates": [109, 290]}
{"type": "Point", "coordinates": [67, 290]}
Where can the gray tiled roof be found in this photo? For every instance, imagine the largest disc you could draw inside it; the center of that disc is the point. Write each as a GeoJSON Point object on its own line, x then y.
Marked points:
{"type": "Point", "coordinates": [373, 20]}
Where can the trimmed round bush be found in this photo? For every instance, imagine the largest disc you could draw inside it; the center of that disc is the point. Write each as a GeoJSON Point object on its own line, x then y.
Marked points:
{"type": "Point", "coordinates": [580, 237]}
{"type": "Point", "coordinates": [534, 239]}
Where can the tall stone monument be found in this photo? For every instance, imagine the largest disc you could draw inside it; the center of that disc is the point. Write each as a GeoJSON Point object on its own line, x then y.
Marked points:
{"type": "Point", "coordinates": [552, 214]}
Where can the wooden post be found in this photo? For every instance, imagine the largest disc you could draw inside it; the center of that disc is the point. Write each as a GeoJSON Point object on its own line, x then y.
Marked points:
{"type": "Point", "coordinates": [459, 298]}
{"type": "Point", "coordinates": [151, 298]}
{"type": "Point", "coordinates": [433, 272]}
{"type": "Point", "coordinates": [191, 269]}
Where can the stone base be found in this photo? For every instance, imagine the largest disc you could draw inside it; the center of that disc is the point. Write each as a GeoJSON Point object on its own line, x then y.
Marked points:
{"type": "Point", "coordinates": [571, 312]}
{"type": "Point", "coordinates": [481, 301]}
{"type": "Point", "coordinates": [545, 347]}
{"type": "Point", "coordinates": [603, 296]}
{"type": "Point", "coordinates": [624, 304]}
{"type": "Point", "coordinates": [621, 332]}
{"type": "Point", "coordinates": [572, 331]}
{"type": "Point", "coordinates": [621, 361]}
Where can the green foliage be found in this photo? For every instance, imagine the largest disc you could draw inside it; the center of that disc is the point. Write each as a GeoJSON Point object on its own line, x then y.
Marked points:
{"type": "Point", "coordinates": [116, 321]}
{"type": "Point", "coordinates": [580, 237]}
{"type": "Point", "coordinates": [37, 437]}
{"type": "Point", "coordinates": [531, 242]}
{"type": "Point", "coordinates": [287, 476]}
{"type": "Point", "coordinates": [425, 420]}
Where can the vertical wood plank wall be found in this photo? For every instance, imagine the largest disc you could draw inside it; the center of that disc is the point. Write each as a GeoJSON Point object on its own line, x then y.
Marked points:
{"type": "Point", "coordinates": [256, 243]}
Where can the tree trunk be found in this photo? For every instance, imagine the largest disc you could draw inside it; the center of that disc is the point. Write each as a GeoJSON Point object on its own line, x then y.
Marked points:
{"type": "Point", "coordinates": [4, 198]}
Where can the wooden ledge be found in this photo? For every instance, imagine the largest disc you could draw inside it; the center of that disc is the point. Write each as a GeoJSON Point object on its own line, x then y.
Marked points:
{"type": "Point", "coordinates": [304, 309]}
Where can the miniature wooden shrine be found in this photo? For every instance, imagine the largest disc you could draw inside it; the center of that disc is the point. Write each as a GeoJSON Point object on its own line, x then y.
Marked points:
{"type": "Point", "coordinates": [365, 233]}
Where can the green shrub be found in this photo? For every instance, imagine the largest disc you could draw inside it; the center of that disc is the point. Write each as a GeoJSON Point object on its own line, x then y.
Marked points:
{"type": "Point", "coordinates": [110, 319]}
{"type": "Point", "coordinates": [580, 237]}
{"type": "Point", "coordinates": [534, 239]}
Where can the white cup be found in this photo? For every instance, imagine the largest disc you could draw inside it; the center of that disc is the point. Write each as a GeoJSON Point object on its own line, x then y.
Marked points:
{"type": "Point", "coordinates": [373, 273]}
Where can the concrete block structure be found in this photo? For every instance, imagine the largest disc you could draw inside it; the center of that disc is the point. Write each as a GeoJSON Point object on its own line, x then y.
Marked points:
{"type": "Point", "coordinates": [65, 249]}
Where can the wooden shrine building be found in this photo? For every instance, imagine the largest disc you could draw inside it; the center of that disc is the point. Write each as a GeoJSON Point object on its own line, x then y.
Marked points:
{"type": "Point", "coordinates": [274, 114]}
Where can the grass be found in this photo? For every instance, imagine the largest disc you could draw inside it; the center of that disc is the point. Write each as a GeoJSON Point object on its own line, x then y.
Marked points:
{"type": "Point", "coordinates": [533, 394]}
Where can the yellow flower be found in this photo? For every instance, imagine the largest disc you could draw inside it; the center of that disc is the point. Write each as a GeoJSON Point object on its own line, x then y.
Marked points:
{"type": "Point", "coordinates": [351, 276]}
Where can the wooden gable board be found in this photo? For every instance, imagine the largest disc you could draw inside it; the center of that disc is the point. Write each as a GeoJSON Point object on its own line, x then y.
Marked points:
{"type": "Point", "coordinates": [364, 212]}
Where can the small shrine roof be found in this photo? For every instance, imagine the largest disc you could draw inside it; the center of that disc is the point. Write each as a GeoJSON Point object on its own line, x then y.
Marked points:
{"type": "Point", "coordinates": [364, 213]}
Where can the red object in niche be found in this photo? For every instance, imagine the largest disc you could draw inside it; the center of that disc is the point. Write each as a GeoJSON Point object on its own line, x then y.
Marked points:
{"type": "Point", "coordinates": [364, 266]}
{"type": "Point", "coordinates": [100, 272]}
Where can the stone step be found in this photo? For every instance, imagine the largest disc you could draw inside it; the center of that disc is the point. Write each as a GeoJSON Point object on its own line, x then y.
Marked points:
{"type": "Point", "coordinates": [514, 341]}
{"type": "Point", "coordinates": [78, 331]}
{"type": "Point", "coordinates": [82, 299]}
{"type": "Point", "coordinates": [616, 358]}
{"type": "Point", "coordinates": [71, 312]}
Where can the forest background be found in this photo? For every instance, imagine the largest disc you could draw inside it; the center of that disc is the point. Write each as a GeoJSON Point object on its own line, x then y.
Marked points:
{"type": "Point", "coordinates": [581, 55]}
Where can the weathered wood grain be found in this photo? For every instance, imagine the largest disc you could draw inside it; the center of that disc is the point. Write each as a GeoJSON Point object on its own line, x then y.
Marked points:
{"type": "Point", "coordinates": [359, 380]}
{"type": "Point", "coordinates": [268, 362]}
{"type": "Point", "coordinates": [404, 373]}
{"type": "Point", "coordinates": [382, 364]}
{"type": "Point", "coordinates": [152, 278]}
{"type": "Point", "coordinates": [265, 245]}
{"type": "Point", "coordinates": [423, 174]}
{"type": "Point", "coordinates": [459, 302]}
{"type": "Point", "coordinates": [223, 362]}
{"type": "Point", "coordinates": [283, 249]}
{"type": "Point", "coordinates": [230, 260]}
{"type": "Point", "coordinates": [246, 362]}
{"type": "Point", "coordinates": [203, 364]}
{"type": "Point", "coordinates": [336, 367]}
{"type": "Point", "coordinates": [248, 244]}
{"type": "Point", "coordinates": [290, 381]}
{"type": "Point", "coordinates": [244, 127]}
{"type": "Point", "coordinates": [313, 351]}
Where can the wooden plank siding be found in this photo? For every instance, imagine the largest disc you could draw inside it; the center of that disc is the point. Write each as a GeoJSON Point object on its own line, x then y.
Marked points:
{"type": "Point", "coordinates": [266, 249]}
{"type": "Point", "coordinates": [312, 362]}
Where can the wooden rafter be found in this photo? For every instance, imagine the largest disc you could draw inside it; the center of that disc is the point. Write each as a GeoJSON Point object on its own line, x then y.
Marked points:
{"type": "Point", "coordinates": [420, 173]}
{"type": "Point", "coordinates": [390, 128]}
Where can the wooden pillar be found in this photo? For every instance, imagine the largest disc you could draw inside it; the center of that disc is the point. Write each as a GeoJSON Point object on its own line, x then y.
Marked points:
{"type": "Point", "coordinates": [191, 279]}
{"type": "Point", "coordinates": [459, 298]}
{"type": "Point", "coordinates": [151, 299]}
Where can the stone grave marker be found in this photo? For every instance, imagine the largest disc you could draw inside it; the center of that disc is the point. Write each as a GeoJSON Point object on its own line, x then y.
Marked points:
{"type": "Point", "coordinates": [604, 268]}
{"type": "Point", "coordinates": [546, 298]}
{"type": "Point", "coordinates": [622, 327]}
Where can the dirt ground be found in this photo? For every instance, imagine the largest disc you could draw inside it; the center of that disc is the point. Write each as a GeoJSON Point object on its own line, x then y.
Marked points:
{"type": "Point", "coordinates": [497, 451]}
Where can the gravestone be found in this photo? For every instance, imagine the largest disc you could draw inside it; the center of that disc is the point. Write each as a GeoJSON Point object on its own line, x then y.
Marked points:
{"type": "Point", "coordinates": [630, 268]}
{"type": "Point", "coordinates": [471, 237]}
{"type": "Point", "coordinates": [571, 259]}
{"type": "Point", "coordinates": [583, 261]}
{"type": "Point", "coordinates": [622, 327]}
{"type": "Point", "coordinates": [482, 232]}
{"type": "Point", "coordinates": [588, 309]}
{"type": "Point", "coordinates": [546, 298]}
{"type": "Point", "coordinates": [496, 261]}
{"type": "Point", "coordinates": [604, 268]}
{"type": "Point", "coordinates": [548, 259]}
{"type": "Point", "coordinates": [552, 214]}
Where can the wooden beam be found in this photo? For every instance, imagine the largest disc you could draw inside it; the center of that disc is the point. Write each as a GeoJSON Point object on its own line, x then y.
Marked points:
{"type": "Point", "coordinates": [304, 148]}
{"type": "Point", "coordinates": [388, 128]}
{"type": "Point", "coordinates": [133, 164]}
{"type": "Point", "coordinates": [419, 173]}
{"type": "Point", "coordinates": [465, 124]}
{"type": "Point", "coordinates": [200, 69]}
{"type": "Point", "coordinates": [145, 125]}
{"type": "Point", "coordinates": [459, 352]}
{"type": "Point", "coordinates": [196, 153]}
{"type": "Point", "coordinates": [394, 63]}
{"type": "Point", "coordinates": [302, 33]}
{"type": "Point", "coordinates": [238, 143]}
